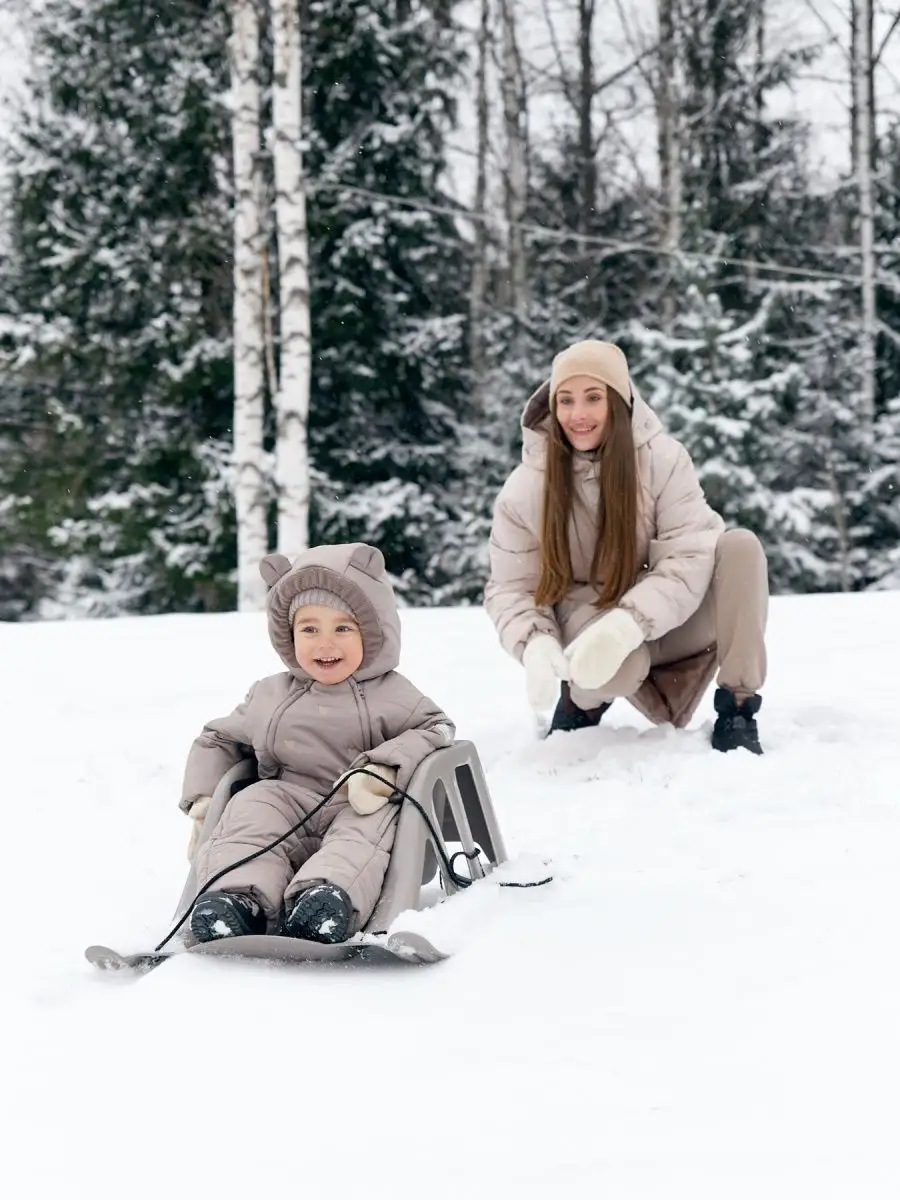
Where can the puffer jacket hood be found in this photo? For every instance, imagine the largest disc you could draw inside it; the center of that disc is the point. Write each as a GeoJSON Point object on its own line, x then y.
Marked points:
{"type": "Point", "coordinates": [357, 574]}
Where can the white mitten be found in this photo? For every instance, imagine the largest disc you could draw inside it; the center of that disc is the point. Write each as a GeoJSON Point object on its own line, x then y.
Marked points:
{"type": "Point", "coordinates": [545, 665]}
{"type": "Point", "coordinates": [599, 651]}
{"type": "Point", "coordinates": [367, 795]}
{"type": "Point", "coordinates": [197, 813]}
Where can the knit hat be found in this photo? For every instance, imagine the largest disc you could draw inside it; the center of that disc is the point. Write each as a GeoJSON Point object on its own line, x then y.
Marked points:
{"type": "Point", "coordinates": [322, 597]}
{"type": "Point", "coordinates": [599, 360]}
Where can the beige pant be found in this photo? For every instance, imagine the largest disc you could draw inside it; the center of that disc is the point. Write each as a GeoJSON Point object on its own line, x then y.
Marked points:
{"type": "Point", "coordinates": [666, 679]}
{"type": "Point", "coordinates": [336, 846]}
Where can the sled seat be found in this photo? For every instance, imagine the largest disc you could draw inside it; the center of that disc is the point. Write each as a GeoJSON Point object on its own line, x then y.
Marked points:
{"type": "Point", "coordinates": [450, 786]}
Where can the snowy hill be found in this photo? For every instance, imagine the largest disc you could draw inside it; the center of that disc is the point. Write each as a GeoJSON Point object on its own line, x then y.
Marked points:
{"type": "Point", "coordinates": [703, 1004]}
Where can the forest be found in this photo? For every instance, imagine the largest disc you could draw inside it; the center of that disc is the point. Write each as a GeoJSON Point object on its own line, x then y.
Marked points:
{"type": "Point", "coordinates": [242, 309]}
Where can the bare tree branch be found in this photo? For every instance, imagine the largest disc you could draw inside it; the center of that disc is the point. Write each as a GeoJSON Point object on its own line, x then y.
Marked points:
{"type": "Point", "coordinates": [833, 38]}
{"type": "Point", "coordinates": [638, 55]}
{"type": "Point", "coordinates": [563, 78]}
{"type": "Point", "coordinates": [887, 37]}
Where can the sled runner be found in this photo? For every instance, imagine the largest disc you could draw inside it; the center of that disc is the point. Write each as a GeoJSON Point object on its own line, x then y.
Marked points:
{"type": "Point", "coordinates": [450, 787]}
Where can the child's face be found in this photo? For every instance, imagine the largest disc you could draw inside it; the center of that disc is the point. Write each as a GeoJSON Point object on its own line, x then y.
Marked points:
{"type": "Point", "coordinates": [327, 643]}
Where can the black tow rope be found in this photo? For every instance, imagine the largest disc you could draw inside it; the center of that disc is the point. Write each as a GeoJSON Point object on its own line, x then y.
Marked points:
{"type": "Point", "coordinates": [397, 797]}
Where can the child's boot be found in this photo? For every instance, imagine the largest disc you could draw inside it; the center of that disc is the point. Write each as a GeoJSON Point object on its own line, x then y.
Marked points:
{"type": "Point", "coordinates": [322, 913]}
{"type": "Point", "coordinates": [735, 727]}
{"type": "Point", "coordinates": [226, 914]}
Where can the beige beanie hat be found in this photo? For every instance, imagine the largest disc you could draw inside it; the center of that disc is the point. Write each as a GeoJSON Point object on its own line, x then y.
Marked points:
{"type": "Point", "coordinates": [599, 360]}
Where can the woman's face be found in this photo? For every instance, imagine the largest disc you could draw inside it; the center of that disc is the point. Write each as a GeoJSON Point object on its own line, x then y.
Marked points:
{"type": "Point", "coordinates": [582, 408]}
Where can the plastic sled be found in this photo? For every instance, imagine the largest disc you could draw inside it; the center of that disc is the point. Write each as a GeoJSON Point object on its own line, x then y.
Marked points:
{"type": "Point", "coordinates": [450, 786]}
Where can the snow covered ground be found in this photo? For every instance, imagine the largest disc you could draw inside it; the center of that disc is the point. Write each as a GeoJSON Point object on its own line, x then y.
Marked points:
{"type": "Point", "coordinates": [703, 1004]}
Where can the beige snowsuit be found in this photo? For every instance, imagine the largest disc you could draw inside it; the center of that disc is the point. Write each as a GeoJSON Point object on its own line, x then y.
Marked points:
{"type": "Point", "coordinates": [701, 599]}
{"type": "Point", "coordinates": [304, 735]}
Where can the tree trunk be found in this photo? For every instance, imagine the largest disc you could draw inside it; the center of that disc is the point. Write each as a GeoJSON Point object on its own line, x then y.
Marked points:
{"type": "Point", "coordinates": [754, 216]}
{"type": "Point", "coordinates": [669, 125]}
{"type": "Point", "coordinates": [249, 370]}
{"type": "Point", "coordinates": [516, 178]}
{"type": "Point", "coordinates": [759, 67]}
{"type": "Point", "coordinates": [862, 33]}
{"type": "Point", "coordinates": [478, 288]}
{"type": "Point", "coordinates": [862, 71]}
{"type": "Point", "coordinates": [292, 395]}
{"type": "Point", "coordinates": [588, 164]}
{"type": "Point", "coordinates": [854, 82]}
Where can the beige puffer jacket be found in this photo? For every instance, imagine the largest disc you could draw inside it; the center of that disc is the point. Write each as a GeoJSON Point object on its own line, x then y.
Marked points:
{"type": "Point", "coordinates": [308, 733]}
{"type": "Point", "coordinates": [678, 532]}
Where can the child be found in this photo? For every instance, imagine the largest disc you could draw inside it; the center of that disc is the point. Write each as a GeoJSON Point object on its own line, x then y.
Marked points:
{"type": "Point", "coordinates": [334, 623]}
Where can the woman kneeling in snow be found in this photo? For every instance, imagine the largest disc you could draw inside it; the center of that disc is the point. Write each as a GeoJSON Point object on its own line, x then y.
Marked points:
{"type": "Point", "coordinates": [334, 623]}
{"type": "Point", "coordinates": [611, 573]}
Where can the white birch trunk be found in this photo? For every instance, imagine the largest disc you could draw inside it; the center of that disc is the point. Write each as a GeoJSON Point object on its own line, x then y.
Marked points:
{"type": "Point", "coordinates": [292, 396]}
{"type": "Point", "coordinates": [249, 369]}
{"type": "Point", "coordinates": [516, 180]}
{"type": "Point", "coordinates": [865, 137]}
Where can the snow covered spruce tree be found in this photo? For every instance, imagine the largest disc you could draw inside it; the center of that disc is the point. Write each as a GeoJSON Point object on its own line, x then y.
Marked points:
{"type": "Point", "coordinates": [882, 484]}
{"type": "Point", "coordinates": [389, 286]}
{"type": "Point", "coordinates": [118, 291]}
{"type": "Point", "coordinates": [716, 347]}
{"type": "Point", "coordinates": [719, 390]}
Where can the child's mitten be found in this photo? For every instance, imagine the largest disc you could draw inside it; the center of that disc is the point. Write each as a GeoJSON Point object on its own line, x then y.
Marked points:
{"type": "Point", "coordinates": [197, 813]}
{"type": "Point", "coordinates": [367, 795]}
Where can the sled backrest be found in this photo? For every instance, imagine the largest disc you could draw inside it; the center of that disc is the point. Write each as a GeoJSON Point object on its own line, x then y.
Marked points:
{"type": "Point", "coordinates": [451, 788]}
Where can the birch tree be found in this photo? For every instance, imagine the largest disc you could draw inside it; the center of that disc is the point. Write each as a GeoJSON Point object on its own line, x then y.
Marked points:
{"type": "Point", "coordinates": [249, 366]}
{"type": "Point", "coordinates": [292, 394]}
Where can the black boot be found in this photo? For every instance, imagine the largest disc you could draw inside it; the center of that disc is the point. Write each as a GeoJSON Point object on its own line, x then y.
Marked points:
{"type": "Point", "coordinates": [567, 716]}
{"type": "Point", "coordinates": [735, 726]}
{"type": "Point", "coordinates": [226, 914]}
{"type": "Point", "coordinates": [323, 913]}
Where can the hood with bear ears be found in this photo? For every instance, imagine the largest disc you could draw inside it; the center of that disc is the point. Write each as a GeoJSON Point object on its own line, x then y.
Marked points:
{"type": "Point", "coordinates": [354, 572]}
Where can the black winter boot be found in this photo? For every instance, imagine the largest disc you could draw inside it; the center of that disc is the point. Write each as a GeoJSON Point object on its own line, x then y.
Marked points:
{"type": "Point", "coordinates": [323, 913]}
{"type": "Point", "coordinates": [226, 914]}
{"type": "Point", "coordinates": [567, 716]}
{"type": "Point", "coordinates": [735, 726]}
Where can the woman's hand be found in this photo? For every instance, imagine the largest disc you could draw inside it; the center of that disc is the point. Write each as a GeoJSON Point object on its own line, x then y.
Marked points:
{"type": "Point", "coordinates": [597, 653]}
{"type": "Point", "coordinates": [545, 665]}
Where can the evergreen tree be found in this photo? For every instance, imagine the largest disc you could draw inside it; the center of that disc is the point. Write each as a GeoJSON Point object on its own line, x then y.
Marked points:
{"type": "Point", "coordinates": [881, 484]}
{"type": "Point", "coordinates": [117, 342]}
{"type": "Point", "coordinates": [389, 284]}
{"type": "Point", "coordinates": [714, 383]}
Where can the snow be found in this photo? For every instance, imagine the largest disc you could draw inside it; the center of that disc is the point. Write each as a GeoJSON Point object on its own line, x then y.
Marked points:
{"type": "Point", "coordinates": [703, 1003]}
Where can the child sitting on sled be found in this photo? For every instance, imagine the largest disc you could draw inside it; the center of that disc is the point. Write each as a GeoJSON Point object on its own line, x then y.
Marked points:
{"type": "Point", "coordinates": [333, 621]}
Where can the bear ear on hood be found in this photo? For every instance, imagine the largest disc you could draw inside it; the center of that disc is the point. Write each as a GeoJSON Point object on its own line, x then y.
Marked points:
{"type": "Point", "coordinates": [369, 560]}
{"type": "Point", "coordinates": [274, 567]}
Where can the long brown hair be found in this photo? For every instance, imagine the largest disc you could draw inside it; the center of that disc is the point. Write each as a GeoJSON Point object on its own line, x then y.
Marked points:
{"type": "Point", "coordinates": [615, 557]}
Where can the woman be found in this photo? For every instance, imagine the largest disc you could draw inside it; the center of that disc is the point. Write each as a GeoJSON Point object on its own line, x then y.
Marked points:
{"type": "Point", "coordinates": [611, 575]}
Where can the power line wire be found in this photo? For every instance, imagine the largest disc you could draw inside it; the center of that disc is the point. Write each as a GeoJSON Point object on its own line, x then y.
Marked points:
{"type": "Point", "coordinates": [569, 235]}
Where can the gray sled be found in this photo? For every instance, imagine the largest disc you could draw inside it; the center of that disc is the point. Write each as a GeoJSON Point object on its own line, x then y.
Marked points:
{"type": "Point", "coordinates": [450, 786]}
